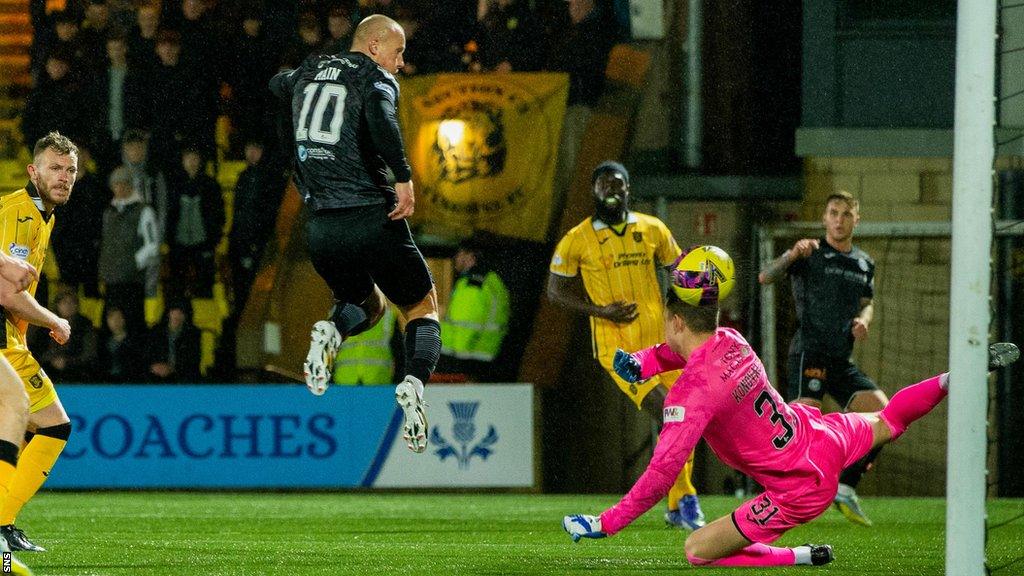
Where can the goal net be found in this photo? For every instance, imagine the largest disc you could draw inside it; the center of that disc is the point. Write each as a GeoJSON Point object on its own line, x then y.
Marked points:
{"type": "Point", "coordinates": [908, 339]}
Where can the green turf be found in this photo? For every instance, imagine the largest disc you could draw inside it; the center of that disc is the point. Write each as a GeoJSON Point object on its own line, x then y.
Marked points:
{"type": "Point", "coordinates": [143, 534]}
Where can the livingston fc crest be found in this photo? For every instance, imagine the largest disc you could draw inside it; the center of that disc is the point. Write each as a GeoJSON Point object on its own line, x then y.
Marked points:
{"type": "Point", "coordinates": [483, 148]}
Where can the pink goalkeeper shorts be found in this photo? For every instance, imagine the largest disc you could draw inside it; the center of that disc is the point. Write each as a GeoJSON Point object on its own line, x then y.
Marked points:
{"type": "Point", "coordinates": [808, 489]}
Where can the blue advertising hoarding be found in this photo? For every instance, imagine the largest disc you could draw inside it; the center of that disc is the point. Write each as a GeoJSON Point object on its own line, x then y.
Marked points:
{"type": "Point", "coordinates": [274, 436]}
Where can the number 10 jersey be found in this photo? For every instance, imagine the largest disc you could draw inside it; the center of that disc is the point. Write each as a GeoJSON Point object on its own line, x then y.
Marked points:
{"type": "Point", "coordinates": [343, 113]}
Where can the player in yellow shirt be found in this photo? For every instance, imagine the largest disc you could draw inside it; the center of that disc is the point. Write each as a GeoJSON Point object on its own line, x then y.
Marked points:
{"type": "Point", "coordinates": [618, 252]}
{"type": "Point", "coordinates": [15, 276]}
{"type": "Point", "coordinates": [26, 220]}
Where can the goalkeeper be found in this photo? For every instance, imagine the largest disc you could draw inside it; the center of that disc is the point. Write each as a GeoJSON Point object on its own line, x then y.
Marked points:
{"type": "Point", "coordinates": [792, 450]}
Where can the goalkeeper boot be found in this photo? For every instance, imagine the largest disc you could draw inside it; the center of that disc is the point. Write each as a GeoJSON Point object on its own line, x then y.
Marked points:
{"type": "Point", "coordinates": [1002, 354]}
{"type": "Point", "coordinates": [848, 503]}
{"type": "Point", "coordinates": [17, 567]}
{"type": "Point", "coordinates": [821, 554]}
{"type": "Point", "coordinates": [324, 342]}
{"type": "Point", "coordinates": [17, 541]}
{"type": "Point", "coordinates": [409, 398]}
{"type": "Point", "coordinates": [689, 516]}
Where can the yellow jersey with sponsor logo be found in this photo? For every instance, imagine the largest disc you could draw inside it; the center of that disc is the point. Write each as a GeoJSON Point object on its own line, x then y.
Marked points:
{"type": "Point", "coordinates": [25, 234]}
{"type": "Point", "coordinates": [618, 264]}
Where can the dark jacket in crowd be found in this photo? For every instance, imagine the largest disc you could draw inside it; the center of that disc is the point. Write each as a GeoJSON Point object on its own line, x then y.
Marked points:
{"type": "Point", "coordinates": [252, 63]}
{"type": "Point", "coordinates": [257, 197]}
{"type": "Point", "coordinates": [170, 106]}
{"type": "Point", "coordinates": [182, 351]}
{"type": "Point", "coordinates": [211, 205]}
{"type": "Point", "coordinates": [78, 229]}
{"type": "Point", "coordinates": [582, 52]}
{"type": "Point", "coordinates": [96, 93]}
{"type": "Point", "coordinates": [121, 360]}
{"type": "Point", "coordinates": [53, 105]}
{"type": "Point", "coordinates": [129, 242]}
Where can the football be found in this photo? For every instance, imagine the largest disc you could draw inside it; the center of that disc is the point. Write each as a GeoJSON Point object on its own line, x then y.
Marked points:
{"type": "Point", "coordinates": [703, 275]}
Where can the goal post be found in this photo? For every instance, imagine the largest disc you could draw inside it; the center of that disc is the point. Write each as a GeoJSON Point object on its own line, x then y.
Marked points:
{"type": "Point", "coordinates": [973, 155]}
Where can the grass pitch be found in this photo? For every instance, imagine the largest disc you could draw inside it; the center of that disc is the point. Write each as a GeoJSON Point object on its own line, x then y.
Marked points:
{"type": "Point", "coordinates": [148, 534]}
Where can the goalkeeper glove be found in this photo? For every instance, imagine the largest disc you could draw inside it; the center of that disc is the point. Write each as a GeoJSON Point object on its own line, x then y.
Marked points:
{"type": "Point", "coordinates": [626, 366]}
{"type": "Point", "coordinates": [583, 526]}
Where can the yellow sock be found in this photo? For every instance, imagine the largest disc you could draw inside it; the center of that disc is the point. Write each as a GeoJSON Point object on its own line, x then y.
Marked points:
{"type": "Point", "coordinates": [6, 474]}
{"type": "Point", "coordinates": [34, 464]}
{"type": "Point", "coordinates": [683, 485]}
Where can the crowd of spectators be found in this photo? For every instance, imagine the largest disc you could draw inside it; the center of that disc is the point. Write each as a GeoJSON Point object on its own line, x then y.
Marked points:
{"type": "Point", "coordinates": [166, 353]}
{"type": "Point", "coordinates": [140, 86]}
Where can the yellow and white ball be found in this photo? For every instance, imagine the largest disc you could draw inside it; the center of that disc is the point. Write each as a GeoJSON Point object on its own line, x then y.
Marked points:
{"type": "Point", "coordinates": [703, 275]}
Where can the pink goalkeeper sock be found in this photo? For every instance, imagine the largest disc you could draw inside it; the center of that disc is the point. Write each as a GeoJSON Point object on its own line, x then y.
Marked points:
{"type": "Point", "coordinates": [912, 402]}
{"type": "Point", "coordinates": [754, 555]}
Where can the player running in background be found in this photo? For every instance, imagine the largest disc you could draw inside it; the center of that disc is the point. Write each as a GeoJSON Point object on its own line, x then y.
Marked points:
{"type": "Point", "coordinates": [617, 252]}
{"type": "Point", "coordinates": [346, 139]}
{"type": "Point", "coordinates": [792, 450]}
{"type": "Point", "coordinates": [27, 219]}
{"type": "Point", "coordinates": [833, 290]}
{"type": "Point", "coordinates": [15, 276]}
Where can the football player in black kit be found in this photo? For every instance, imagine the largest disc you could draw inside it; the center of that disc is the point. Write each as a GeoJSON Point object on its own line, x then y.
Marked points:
{"type": "Point", "coordinates": [833, 287]}
{"type": "Point", "coordinates": [343, 110]}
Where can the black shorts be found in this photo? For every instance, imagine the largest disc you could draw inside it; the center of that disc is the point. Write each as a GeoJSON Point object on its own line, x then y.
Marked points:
{"type": "Point", "coordinates": [812, 375]}
{"type": "Point", "coordinates": [355, 248]}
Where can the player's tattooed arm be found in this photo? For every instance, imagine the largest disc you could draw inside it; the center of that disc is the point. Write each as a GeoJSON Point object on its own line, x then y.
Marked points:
{"type": "Point", "coordinates": [777, 268]}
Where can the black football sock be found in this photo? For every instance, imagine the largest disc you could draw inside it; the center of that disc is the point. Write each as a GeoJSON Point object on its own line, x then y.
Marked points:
{"type": "Point", "coordinates": [422, 347]}
{"type": "Point", "coordinates": [349, 319]}
{"type": "Point", "coordinates": [9, 452]}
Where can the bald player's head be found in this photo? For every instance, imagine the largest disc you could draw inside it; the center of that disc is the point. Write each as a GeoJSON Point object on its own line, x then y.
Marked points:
{"type": "Point", "coordinates": [382, 39]}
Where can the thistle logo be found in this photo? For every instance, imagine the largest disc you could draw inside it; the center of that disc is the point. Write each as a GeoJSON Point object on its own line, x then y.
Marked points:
{"type": "Point", "coordinates": [464, 430]}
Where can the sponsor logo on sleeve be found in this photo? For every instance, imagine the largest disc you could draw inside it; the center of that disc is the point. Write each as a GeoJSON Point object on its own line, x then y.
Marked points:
{"type": "Point", "coordinates": [19, 251]}
{"type": "Point", "coordinates": [557, 260]}
{"type": "Point", "coordinates": [674, 414]}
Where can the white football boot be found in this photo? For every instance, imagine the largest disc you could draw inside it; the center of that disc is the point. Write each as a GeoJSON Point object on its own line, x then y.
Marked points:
{"type": "Point", "coordinates": [324, 341]}
{"type": "Point", "coordinates": [409, 399]}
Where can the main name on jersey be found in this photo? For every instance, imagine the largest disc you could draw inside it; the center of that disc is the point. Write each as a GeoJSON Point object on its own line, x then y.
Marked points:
{"type": "Point", "coordinates": [328, 75]}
